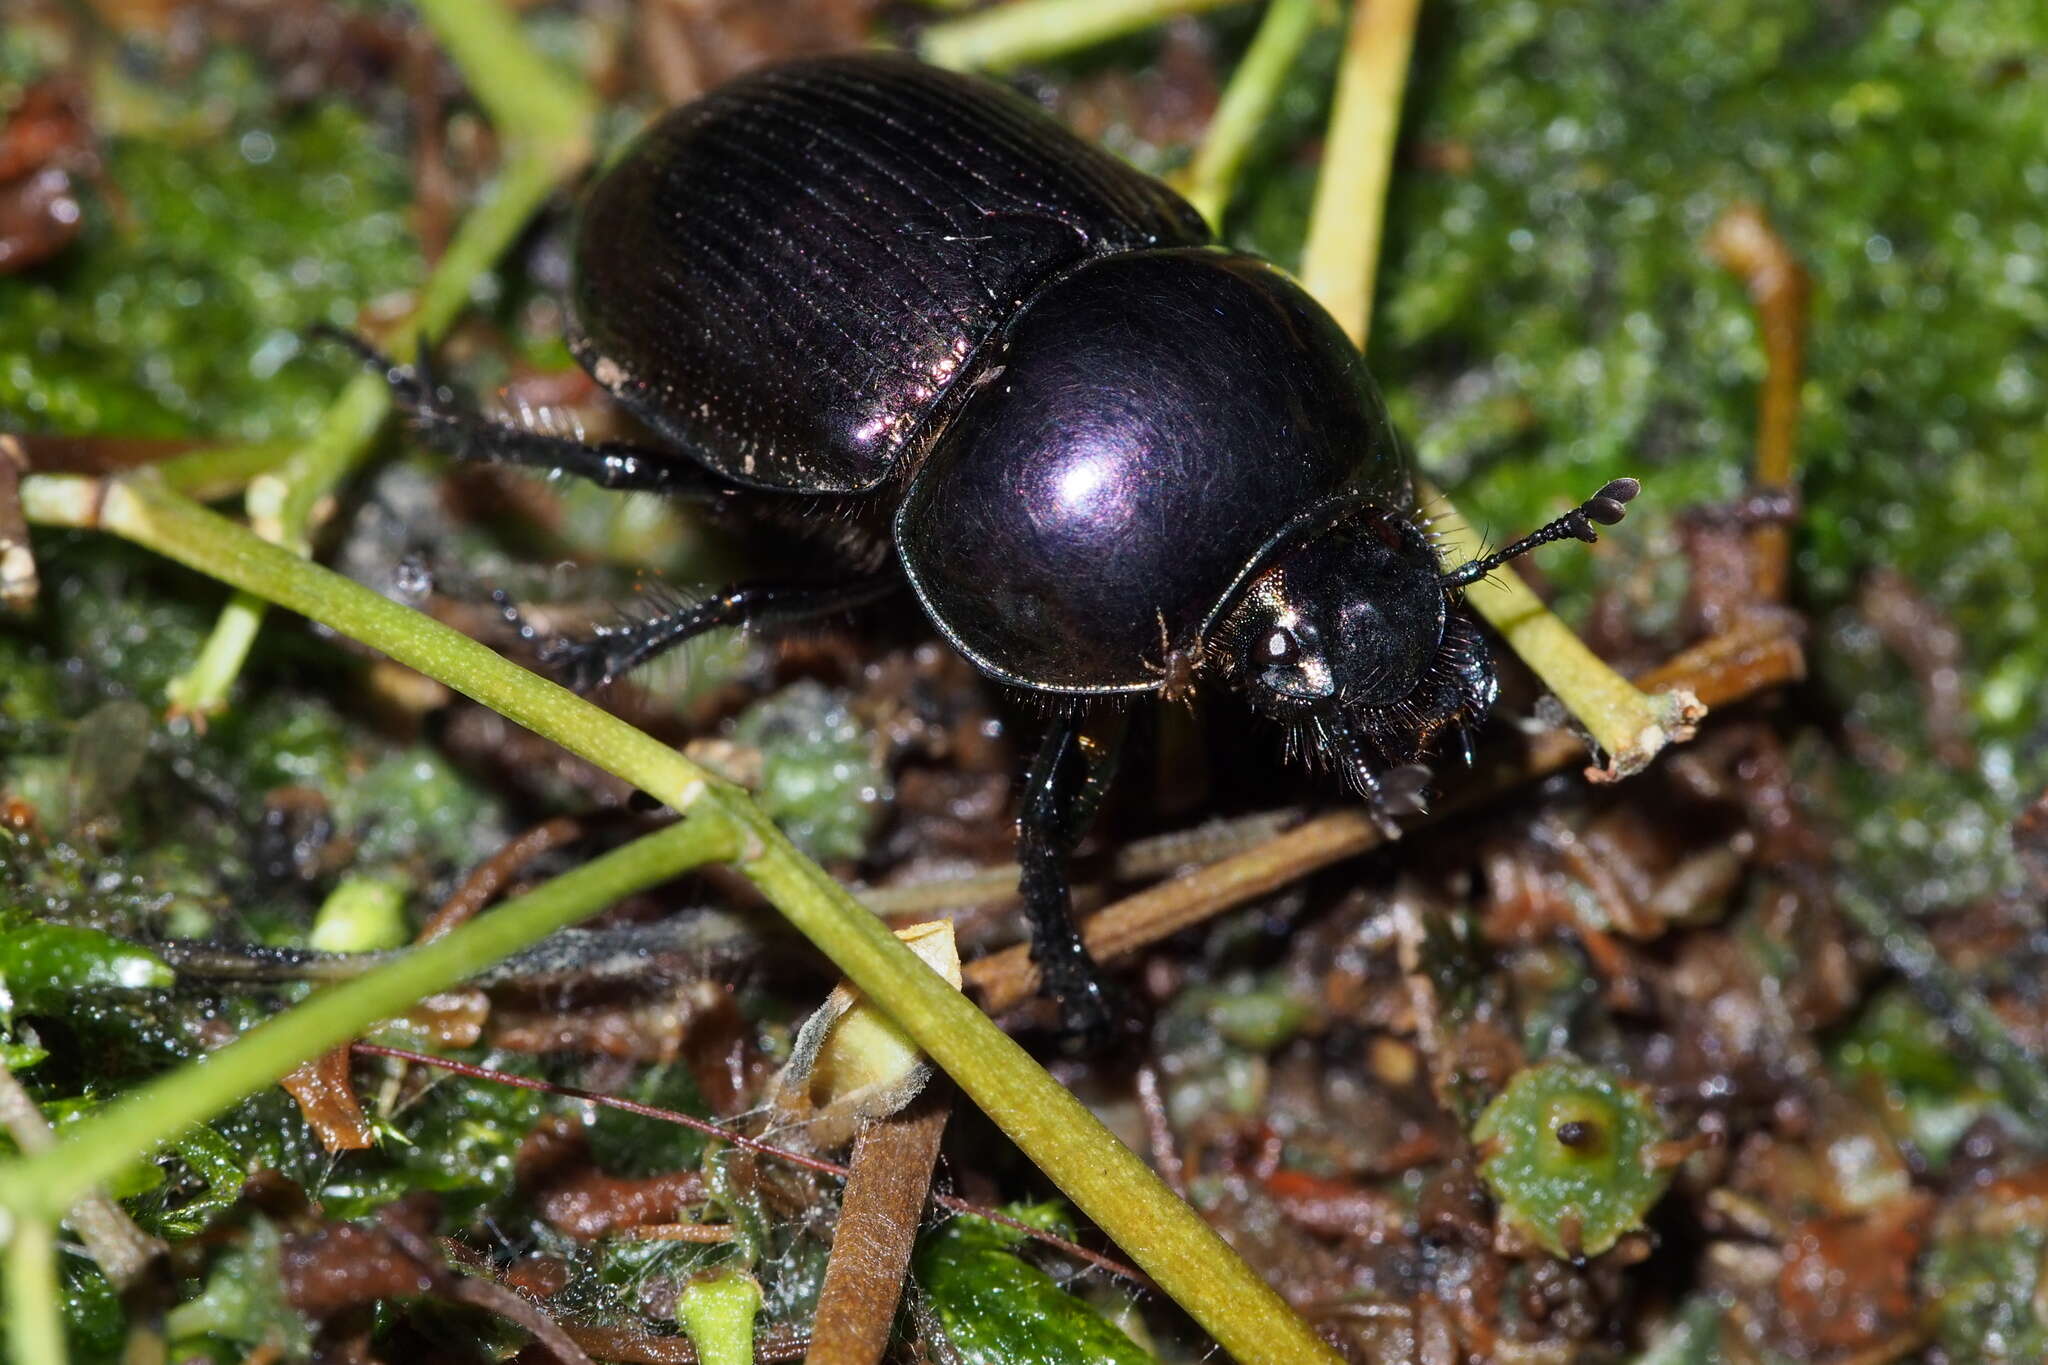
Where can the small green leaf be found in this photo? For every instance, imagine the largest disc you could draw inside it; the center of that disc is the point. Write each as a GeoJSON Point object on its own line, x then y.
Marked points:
{"type": "Point", "coordinates": [998, 1309]}
{"type": "Point", "coordinates": [1569, 1152]}
{"type": "Point", "coordinates": [244, 1300]}
{"type": "Point", "coordinates": [43, 965]}
{"type": "Point", "coordinates": [361, 915]}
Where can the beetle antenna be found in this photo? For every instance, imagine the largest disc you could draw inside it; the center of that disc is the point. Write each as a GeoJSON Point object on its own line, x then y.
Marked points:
{"type": "Point", "coordinates": [1607, 507]}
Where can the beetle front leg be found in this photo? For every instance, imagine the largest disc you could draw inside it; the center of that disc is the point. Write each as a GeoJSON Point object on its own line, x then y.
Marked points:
{"type": "Point", "coordinates": [1061, 792]}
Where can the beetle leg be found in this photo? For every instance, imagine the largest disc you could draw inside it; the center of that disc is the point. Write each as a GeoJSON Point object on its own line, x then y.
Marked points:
{"type": "Point", "coordinates": [447, 423]}
{"type": "Point", "coordinates": [590, 662]}
{"type": "Point", "coordinates": [1061, 792]}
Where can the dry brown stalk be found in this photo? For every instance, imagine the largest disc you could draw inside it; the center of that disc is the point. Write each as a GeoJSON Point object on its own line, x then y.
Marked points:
{"type": "Point", "coordinates": [892, 1164]}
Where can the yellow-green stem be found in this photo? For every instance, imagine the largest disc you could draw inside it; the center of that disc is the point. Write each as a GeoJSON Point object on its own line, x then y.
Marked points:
{"type": "Point", "coordinates": [1033, 30]}
{"type": "Point", "coordinates": [1246, 104]}
{"type": "Point", "coordinates": [34, 1304]}
{"type": "Point", "coordinates": [1628, 725]}
{"type": "Point", "coordinates": [1341, 257]}
{"type": "Point", "coordinates": [1105, 1179]}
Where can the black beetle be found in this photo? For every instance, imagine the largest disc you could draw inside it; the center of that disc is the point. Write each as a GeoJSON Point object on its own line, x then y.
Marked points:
{"type": "Point", "coordinates": [906, 308]}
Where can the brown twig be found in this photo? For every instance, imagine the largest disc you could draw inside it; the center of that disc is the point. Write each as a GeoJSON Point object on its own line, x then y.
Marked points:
{"type": "Point", "coordinates": [890, 1179]}
{"type": "Point", "coordinates": [1139, 860]}
{"type": "Point", "coordinates": [491, 875]}
{"type": "Point", "coordinates": [1726, 668]}
{"type": "Point", "coordinates": [1743, 243]}
{"type": "Point", "coordinates": [681, 1232]}
{"type": "Point", "coordinates": [810, 1163]}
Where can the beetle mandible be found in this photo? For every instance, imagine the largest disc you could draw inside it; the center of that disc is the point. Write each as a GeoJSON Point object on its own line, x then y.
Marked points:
{"type": "Point", "coordinates": [905, 308]}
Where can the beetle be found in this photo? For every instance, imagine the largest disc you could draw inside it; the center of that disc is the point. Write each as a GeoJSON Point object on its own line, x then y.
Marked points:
{"type": "Point", "coordinates": [904, 312]}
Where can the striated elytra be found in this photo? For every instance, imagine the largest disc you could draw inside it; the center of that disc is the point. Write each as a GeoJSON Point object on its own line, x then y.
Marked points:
{"type": "Point", "coordinates": [903, 315]}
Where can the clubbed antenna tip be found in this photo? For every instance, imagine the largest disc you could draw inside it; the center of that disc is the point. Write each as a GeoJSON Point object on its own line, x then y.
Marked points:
{"type": "Point", "coordinates": [1606, 507]}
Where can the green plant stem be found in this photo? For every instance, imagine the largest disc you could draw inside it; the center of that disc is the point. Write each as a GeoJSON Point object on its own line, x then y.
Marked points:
{"type": "Point", "coordinates": [217, 471]}
{"type": "Point", "coordinates": [525, 96]}
{"type": "Point", "coordinates": [1032, 30]}
{"type": "Point", "coordinates": [1105, 1179]}
{"type": "Point", "coordinates": [35, 1317]}
{"type": "Point", "coordinates": [1339, 265]}
{"type": "Point", "coordinates": [1341, 256]}
{"type": "Point", "coordinates": [544, 118]}
{"type": "Point", "coordinates": [1247, 103]}
{"type": "Point", "coordinates": [130, 1128]}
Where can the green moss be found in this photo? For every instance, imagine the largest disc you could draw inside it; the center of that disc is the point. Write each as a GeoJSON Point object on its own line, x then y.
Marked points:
{"type": "Point", "coordinates": [43, 966]}
{"type": "Point", "coordinates": [243, 1301]}
{"type": "Point", "coordinates": [630, 1145]}
{"type": "Point", "coordinates": [820, 778]}
{"type": "Point", "coordinates": [1985, 1285]}
{"type": "Point", "coordinates": [412, 806]}
{"type": "Point", "coordinates": [94, 1321]}
{"type": "Point", "coordinates": [182, 310]}
{"type": "Point", "coordinates": [1568, 1153]}
{"type": "Point", "coordinates": [1897, 1050]}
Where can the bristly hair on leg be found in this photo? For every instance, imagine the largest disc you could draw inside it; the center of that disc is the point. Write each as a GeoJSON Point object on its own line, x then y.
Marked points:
{"type": "Point", "coordinates": [1335, 741]}
{"type": "Point", "coordinates": [602, 653]}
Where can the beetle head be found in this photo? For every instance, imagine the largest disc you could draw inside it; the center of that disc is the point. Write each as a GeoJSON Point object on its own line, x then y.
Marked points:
{"type": "Point", "coordinates": [1354, 642]}
{"type": "Point", "coordinates": [1355, 638]}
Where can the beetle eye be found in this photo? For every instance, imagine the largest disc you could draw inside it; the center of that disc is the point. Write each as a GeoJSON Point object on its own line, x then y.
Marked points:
{"type": "Point", "coordinates": [1279, 648]}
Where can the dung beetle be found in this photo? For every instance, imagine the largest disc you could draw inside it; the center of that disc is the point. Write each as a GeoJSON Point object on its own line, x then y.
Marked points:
{"type": "Point", "coordinates": [888, 308]}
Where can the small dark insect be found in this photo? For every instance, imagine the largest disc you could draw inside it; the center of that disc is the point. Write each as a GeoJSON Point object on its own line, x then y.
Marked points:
{"type": "Point", "coordinates": [887, 308]}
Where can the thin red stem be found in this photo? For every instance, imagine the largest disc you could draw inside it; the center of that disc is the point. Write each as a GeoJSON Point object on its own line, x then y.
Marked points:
{"type": "Point", "coordinates": [709, 1129]}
